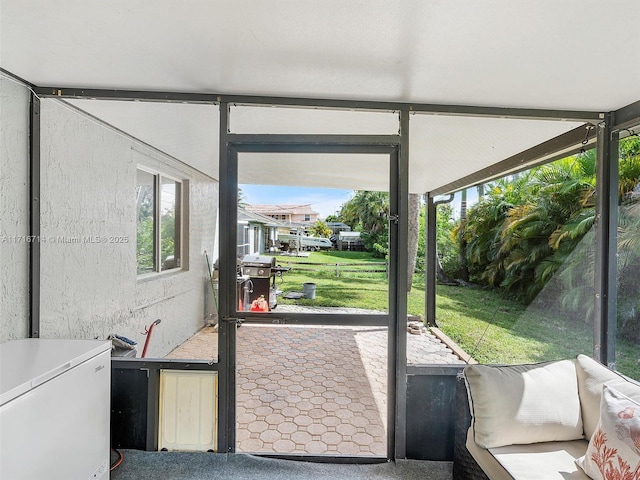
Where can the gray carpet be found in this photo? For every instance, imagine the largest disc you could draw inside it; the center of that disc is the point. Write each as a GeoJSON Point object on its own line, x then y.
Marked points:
{"type": "Point", "coordinates": [139, 465]}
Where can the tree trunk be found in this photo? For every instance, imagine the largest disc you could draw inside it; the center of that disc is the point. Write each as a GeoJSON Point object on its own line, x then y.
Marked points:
{"type": "Point", "coordinates": [414, 233]}
{"type": "Point", "coordinates": [440, 275]}
{"type": "Point", "coordinates": [462, 259]}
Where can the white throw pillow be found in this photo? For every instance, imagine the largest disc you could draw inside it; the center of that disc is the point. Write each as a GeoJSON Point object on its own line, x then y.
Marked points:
{"type": "Point", "coordinates": [522, 404]}
{"type": "Point", "coordinates": [614, 449]}
{"type": "Point", "coordinates": [592, 375]}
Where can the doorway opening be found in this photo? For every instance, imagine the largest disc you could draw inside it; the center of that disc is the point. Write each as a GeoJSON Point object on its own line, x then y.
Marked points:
{"type": "Point", "coordinates": [311, 376]}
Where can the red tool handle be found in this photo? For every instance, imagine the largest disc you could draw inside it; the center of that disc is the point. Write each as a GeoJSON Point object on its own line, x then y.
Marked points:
{"type": "Point", "coordinates": [147, 332]}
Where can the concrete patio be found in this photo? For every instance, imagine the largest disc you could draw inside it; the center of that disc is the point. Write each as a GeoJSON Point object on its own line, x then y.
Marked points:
{"type": "Point", "coordinates": [313, 390]}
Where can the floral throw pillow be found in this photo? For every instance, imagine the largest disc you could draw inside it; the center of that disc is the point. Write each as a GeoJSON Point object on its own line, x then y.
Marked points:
{"type": "Point", "coordinates": [614, 449]}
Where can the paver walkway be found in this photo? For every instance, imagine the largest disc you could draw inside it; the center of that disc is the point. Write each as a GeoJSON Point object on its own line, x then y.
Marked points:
{"type": "Point", "coordinates": [314, 390]}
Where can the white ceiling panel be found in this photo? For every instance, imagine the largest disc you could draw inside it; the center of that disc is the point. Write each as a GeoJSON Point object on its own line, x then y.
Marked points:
{"type": "Point", "coordinates": [278, 120]}
{"type": "Point", "coordinates": [545, 54]}
{"type": "Point", "coordinates": [445, 148]}
{"type": "Point", "coordinates": [351, 172]}
{"type": "Point", "coordinates": [574, 54]}
{"type": "Point", "coordinates": [441, 148]}
{"type": "Point", "coordinates": [188, 132]}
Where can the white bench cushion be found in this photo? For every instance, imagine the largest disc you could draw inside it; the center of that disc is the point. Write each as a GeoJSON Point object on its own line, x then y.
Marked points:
{"type": "Point", "coordinates": [542, 461]}
{"type": "Point", "coordinates": [538, 461]}
{"type": "Point", "coordinates": [522, 404]}
{"type": "Point", "coordinates": [485, 460]}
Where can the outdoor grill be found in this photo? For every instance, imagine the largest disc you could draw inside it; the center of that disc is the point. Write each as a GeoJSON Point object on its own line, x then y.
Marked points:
{"type": "Point", "coordinates": [258, 266]}
{"type": "Point", "coordinates": [259, 269]}
{"type": "Point", "coordinates": [257, 278]}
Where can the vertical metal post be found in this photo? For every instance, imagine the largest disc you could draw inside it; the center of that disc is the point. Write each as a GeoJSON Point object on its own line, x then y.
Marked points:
{"type": "Point", "coordinates": [430, 226]}
{"type": "Point", "coordinates": [606, 289]}
{"type": "Point", "coordinates": [392, 347]}
{"type": "Point", "coordinates": [157, 254]}
{"type": "Point", "coordinates": [398, 238]}
{"type": "Point", "coordinates": [227, 294]}
{"type": "Point", "coordinates": [34, 217]}
{"type": "Point", "coordinates": [153, 409]}
{"type": "Point", "coordinates": [392, 363]}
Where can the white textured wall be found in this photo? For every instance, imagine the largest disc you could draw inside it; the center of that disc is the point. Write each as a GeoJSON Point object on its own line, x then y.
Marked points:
{"type": "Point", "coordinates": [14, 210]}
{"type": "Point", "coordinates": [88, 190]}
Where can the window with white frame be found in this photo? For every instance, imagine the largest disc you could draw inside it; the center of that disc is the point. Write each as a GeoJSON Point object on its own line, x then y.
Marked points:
{"type": "Point", "coordinates": [243, 240]}
{"type": "Point", "coordinates": [159, 226]}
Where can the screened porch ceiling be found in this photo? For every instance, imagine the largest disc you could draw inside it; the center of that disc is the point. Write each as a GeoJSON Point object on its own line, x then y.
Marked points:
{"type": "Point", "coordinates": [578, 57]}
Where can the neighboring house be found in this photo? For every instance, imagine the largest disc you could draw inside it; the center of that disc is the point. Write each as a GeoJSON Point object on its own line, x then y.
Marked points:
{"type": "Point", "coordinates": [292, 215]}
{"type": "Point", "coordinates": [349, 241]}
{"type": "Point", "coordinates": [337, 227]}
{"type": "Point", "coordinates": [257, 233]}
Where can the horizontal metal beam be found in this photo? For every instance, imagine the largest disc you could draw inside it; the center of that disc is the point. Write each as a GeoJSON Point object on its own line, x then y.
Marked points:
{"type": "Point", "coordinates": [626, 117]}
{"type": "Point", "coordinates": [558, 147]}
{"type": "Point", "coordinates": [336, 144]}
{"type": "Point", "coordinates": [313, 140]}
{"type": "Point", "coordinates": [162, 364]}
{"type": "Point", "coordinates": [435, 370]}
{"type": "Point", "coordinates": [127, 95]}
{"type": "Point", "coordinates": [317, 319]}
{"type": "Point", "coordinates": [300, 148]}
{"type": "Point", "coordinates": [337, 459]}
{"type": "Point", "coordinates": [418, 107]}
{"type": "Point", "coordinates": [345, 104]}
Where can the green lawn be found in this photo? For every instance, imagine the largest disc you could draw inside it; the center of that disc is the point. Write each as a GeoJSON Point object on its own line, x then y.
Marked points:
{"type": "Point", "coordinates": [497, 330]}
{"type": "Point", "coordinates": [353, 287]}
{"type": "Point", "coordinates": [491, 328]}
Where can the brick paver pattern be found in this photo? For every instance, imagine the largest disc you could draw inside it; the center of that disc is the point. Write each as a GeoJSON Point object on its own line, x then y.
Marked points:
{"type": "Point", "coordinates": [312, 390]}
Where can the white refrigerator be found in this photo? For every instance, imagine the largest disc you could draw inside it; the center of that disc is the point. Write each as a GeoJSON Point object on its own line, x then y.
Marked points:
{"type": "Point", "coordinates": [55, 409]}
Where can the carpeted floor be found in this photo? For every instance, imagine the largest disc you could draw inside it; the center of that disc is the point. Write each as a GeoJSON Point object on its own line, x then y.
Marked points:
{"type": "Point", "coordinates": [139, 465]}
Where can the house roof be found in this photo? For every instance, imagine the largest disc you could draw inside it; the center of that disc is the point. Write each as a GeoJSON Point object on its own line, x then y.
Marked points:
{"type": "Point", "coordinates": [282, 209]}
{"type": "Point", "coordinates": [473, 75]}
{"type": "Point", "coordinates": [253, 217]}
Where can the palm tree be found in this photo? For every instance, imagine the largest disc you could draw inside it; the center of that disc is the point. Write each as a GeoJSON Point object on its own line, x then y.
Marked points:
{"type": "Point", "coordinates": [241, 198]}
{"type": "Point", "coordinates": [629, 240]}
{"type": "Point", "coordinates": [368, 212]}
{"type": "Point", "coordinates": [482, 230]}
{"type": "Point", "coordinates": [320, 229]}
{"type": "Point", "coordinates": [551, 221]}
{"type": "Point", "coordinates": [526, 232]}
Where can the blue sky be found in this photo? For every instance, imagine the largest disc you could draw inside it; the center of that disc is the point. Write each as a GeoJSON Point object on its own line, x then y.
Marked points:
{"type": "Point", "coordinates": [325, 201]}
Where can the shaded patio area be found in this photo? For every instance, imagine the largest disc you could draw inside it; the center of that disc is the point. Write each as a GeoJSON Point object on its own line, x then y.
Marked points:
{"type": "Point", "coordinates": [313, 390]}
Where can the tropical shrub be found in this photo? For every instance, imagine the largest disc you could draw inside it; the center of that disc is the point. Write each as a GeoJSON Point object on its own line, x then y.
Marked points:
{"type": "Point", "coordinates": [368, 213]}
{"type": "Point", "coordinates": [320, 229]}
{"type": "Point", "coordinates": [535, 230]}
{"type": "Point", "coordinates": [447, 248]}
